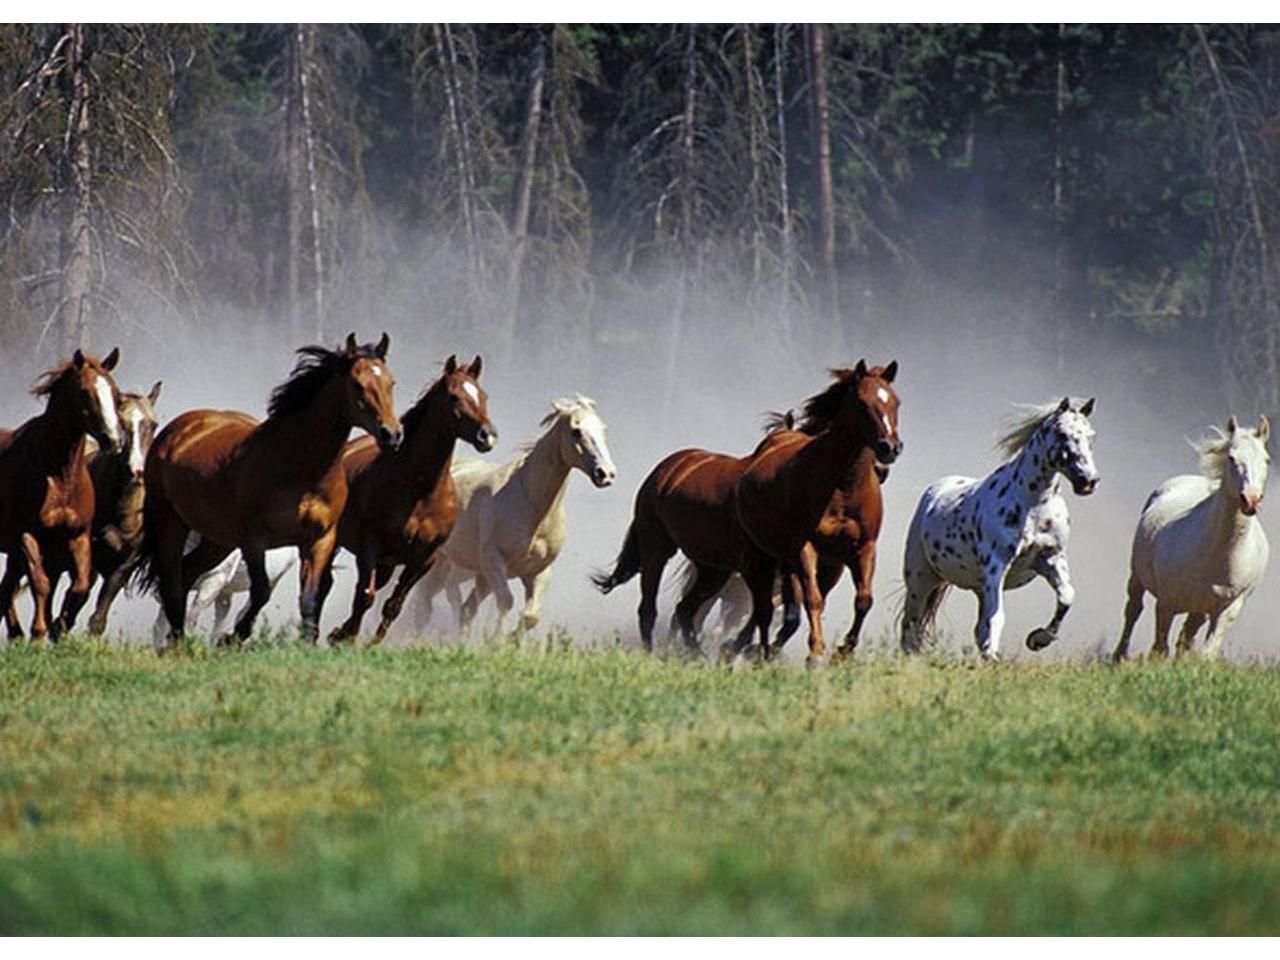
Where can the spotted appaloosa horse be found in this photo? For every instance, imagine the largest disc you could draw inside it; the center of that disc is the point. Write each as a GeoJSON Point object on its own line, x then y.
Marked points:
{"type": "Point", "coordinates": [46, 494]}
{"type": "Point", "coordinates": [1003, 530]}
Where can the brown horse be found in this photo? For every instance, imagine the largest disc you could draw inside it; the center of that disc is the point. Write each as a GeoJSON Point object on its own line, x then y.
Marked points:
{"type": "Point", "coordinates": [46, 493]}
{"type": "Point", "coordinates": [241, 483]}
{"type": "Point", "coordinates": [403, 503]}
{"type": "Point", "coordinates": [686, 504]}
{"type": "Point", "coordinates": [807, 489]}
{"type": "Point", "coordinates": [120, 492]}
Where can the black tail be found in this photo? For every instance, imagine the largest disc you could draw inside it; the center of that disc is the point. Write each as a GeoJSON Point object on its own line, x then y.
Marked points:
{"type": "Point", "coordinates": [625, 567]}
{"type": "Point", "coordinates": [145, 577]}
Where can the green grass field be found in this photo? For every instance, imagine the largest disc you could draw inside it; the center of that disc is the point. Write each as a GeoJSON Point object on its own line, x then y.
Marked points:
{"type": "Point", "coordinates": [289, 790]}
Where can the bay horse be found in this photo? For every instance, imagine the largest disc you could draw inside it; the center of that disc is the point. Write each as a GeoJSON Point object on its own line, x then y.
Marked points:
{"type": "Point", "coordinates": [241, 483]}
{"type": "Point", "coordinates": [511, 518]}
{"type": "Point", "coordinates": [1003, 530]}
{"type": "Point", "coordinates": [814, 487]}
{"type": "Point", "coordinates": [46, 493]}
{"type": "Point", "coordinates": [403, 503]}
{"type": "Point", "coordinates": [119, 490]}
{"type": "Point", "coordinates": [1199, 548]}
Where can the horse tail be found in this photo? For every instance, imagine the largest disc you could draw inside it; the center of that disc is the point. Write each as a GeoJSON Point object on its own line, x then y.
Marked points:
{"type": "Point", "coordinates": [144, 577]}
{"type": "Point", "coordinates": [625, 567]}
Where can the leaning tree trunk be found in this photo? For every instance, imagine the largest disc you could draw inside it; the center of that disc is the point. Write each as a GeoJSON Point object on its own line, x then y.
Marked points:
{"type": "Point", "coordinates": [74, 303]}
{"type": "Point", "coordinates": [784, 196]}
{"type": "Point", "coordinates": [522, 189]}
{"type": "Point", "coordinates": [305, 261]}
{"type": "Point", "coordinates": [823, 183]}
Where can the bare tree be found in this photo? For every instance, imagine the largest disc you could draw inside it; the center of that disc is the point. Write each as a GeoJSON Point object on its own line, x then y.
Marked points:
{"type": "Point", "coordinates": [823, 181]}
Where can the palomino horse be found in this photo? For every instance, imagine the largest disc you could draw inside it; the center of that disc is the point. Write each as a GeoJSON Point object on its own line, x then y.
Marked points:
{"type": "Point", "coordinates": [403, 502]}
{"type": "Point", "coordinates": [218, 587]}
{"type": "Point", "coordinates": [46, 493]}
{"type": "Point", "coordinates": [1003, 530]}
{"type": "Point", "coordinates": [511, 520]}
{"type": "Point", "coordinates": [817, 488]}
{"type": "Point", "coordinates": [119, 491]}
{"type": "Point", "coordinates": [1199, 548]}
{"type": "Point", "coordinates": [238, 482]}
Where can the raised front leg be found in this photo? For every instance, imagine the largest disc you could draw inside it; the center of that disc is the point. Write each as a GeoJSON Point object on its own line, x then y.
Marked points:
{"type": "Point", "coordinates": [1054, 569]}
{"type": "Point", "coordinates": [990, 617]}
{"type": "Point", "coordinates": [863, 571]}
{"type": "Point", "coordinates": [112, 584]}
{"type": "Point", "coordinates": [81, 549]}
{"type": "Point", "coordinates": [493, 569]}
{"type": "Point", "coordinates": [409, 576]}
{"type": "Point", "coordinates": [535, 589]}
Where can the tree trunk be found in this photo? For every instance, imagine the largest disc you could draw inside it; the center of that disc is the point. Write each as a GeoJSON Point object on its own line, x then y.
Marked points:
{"type": "Point", "coordinates": [306, 40]}
{"type": "Point", "coordinates": [755, 109]}
{"type": "Point", "coordinates": [686, 192]}
{"type": "Point", "coordinates": [522, 189]}
{"type": "Point", "coordinates": [447, 51]}
{"type": "Point", "coordinates": [823, 185]}
{"type": "Point", "coordinates": [74, 303]}
{"type": "Point", "coordinates": [784, 187]}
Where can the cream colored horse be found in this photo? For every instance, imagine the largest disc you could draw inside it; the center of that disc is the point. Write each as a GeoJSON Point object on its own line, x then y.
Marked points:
{"type": "Point", "coordinates": [511, 521]}
{"type": "Point", "coordinates": [1199, 548]}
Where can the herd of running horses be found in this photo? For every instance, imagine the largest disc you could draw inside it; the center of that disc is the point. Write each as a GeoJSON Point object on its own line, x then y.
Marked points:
{"type": "Point", "coordinates": [88, 488]}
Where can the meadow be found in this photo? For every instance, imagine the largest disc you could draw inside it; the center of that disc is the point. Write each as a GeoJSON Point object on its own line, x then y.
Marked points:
{"type": "Point", "coordinates": [497, 789]}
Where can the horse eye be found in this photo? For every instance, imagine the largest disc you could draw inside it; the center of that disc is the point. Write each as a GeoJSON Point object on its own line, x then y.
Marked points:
{"type": "Point", "coordinates": [577, 432]}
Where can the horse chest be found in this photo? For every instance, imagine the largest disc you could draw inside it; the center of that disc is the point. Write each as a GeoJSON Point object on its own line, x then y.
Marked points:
{"type": "Point", "coordinates": [65, 506]}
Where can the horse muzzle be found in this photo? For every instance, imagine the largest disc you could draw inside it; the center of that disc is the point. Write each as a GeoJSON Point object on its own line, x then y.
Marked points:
{"type": "Point", "coordinates": [888, 451]}
{"type": "Point", "coordinates": [1083, 487]}
{"type": "Point", "coordinates": [485, 440]}
{"type": "Point", "coordinates": [1249, 503]}
{"type": "Point", "coordinates": [603, 476]}
{"type": "Point", "coordinates": [388, 438]}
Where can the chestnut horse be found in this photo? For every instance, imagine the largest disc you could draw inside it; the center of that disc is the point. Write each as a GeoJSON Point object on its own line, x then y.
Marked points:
{"type": "Point", "coordinates": [403, 503]}
{"type": "Point", "coordinates": [241, 483]}
{"type": "Point", "coordinates": [46, 493]}
{"type": "Point", "coordinates": [686, 504]}
{"type": "Point", "coordinates": [803, 490]}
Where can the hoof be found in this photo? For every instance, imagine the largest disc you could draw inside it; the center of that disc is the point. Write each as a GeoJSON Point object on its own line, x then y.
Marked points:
{"type": "Point", "coordinates": [1040, 638]}
{"type": "Point", "coordinates": [843, 653]}
{"type": "Point", "coordinates": [228, 641]}
{"type": "Point", "coordinates": [812, 662]}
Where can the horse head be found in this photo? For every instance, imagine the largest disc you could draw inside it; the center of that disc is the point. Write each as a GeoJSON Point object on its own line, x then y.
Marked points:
{"type": "Point", "coordinates": [583, 439]}
{"type": "Point", "coordinates": [870, 412]}
{"type": "Point", "coordinates": [138, 425]}
{"type": "Point", "coordinates": [470, 404]}
{"type": "Point", "coordinates": [84, 388]}
{"type": "Point", "coordinates": [1246, 463]}
{"type": "Point", "coordinates": [369, 402]}
{"type": "Point", "coordinates": [1068, 439]}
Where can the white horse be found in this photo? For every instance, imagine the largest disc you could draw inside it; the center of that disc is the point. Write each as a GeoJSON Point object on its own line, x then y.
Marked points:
{"type": "Point", "coordinates": [1199, 548]}
{"type": "Point", "coordinates": [1003, 530]}
{"type": "Point", "coordinates": [219, 586]}
{"type": "Point", "coordinates": [511, 520]}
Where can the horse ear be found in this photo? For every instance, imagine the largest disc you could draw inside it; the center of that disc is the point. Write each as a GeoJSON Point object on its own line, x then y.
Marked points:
{"type": "Point", "coordinates": [860, 369]}
{"type": "Point", "coordinates": [1086, 408]}
{"type": "Point", "coordinates": [451, 365]}
{"type": "Point", "coordinates": [78, 358]}
{"type": "Point", "coordinates": [111, 359]}
{"type": "Point", "coordinates": [476, 365]}
{"type": "Point", "coordinates": [890, 372]}
{"type": "Point", "coordinates": [1065, 405]}
{"type": "Point", "coordinates": [154, 395]}
{"type": "Point", "coordinates": [1264, 428]}
{"type": "Point", "coordinates": [380, 351]}
{"type": "Point", "coordinates": [352, 346]}
{"type": "Point", "coordinates": [1232, 425]}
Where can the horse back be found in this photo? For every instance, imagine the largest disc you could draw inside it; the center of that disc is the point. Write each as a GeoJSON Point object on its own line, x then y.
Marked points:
{"type": "Point", "coordinates": [688, 496]}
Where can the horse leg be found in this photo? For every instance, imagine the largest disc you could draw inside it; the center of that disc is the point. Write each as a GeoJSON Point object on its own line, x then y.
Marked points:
{"type": "Point", "coordinates": [759, 575]}
{"type": "Point", "coordinates": [654, 557]}
{"type": "Point", "coordinates": [409, 576]}
{"type": "Point", "coordinates": [1218, 628]}
{"type": "Point", "coordinates": [40, 585]}
{"type": "Point", "coordinates": [1054, 569]}
{"type": "Point", "coordinates": [81, 550]}
{"type": "Point", "coordinates": [923, 587]}
{"type": "Point", "coordinates": [469, 607]}
{"type": "Point", "coordinates": [361, 600]}
{"type": "Point", "coordinates": [792, 599]}
{"type": "Point", "coordinates": [1187, 638]}
{"type": "Point", "coordinates": [112, 583]}
{"type": "Point", "coordinates": [15, 569]}
{"type": "Point", "coordinates": [259, 591]}
{"type": "Point", "coordinates": [535, 590]}
{"type": "Point", "coordinates": [862, 570]}
{"type": "Point", "coordinates": [1164, 620]}
{"type": "Point", "coordinates": [494, 572]}
{"type": "Point", "coordinates": [315, 559]}
{"type": "Point", "coordinates": [814, 603]}
{"type": "Point", "coordinates": [707, 582]}
{"type": "Point", "coordinates": [1132, 611]}
{"type": "Point", "coordinates": [990, 616]}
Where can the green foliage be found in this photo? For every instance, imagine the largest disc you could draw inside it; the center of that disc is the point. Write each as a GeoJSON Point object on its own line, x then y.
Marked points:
{"type": "Point", "coordinates": [504, 790]}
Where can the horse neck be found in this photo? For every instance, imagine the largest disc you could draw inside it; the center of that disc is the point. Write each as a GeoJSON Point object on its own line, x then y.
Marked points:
{"type": "Point", "coordinates": [543, 474]}
{"type": "Point", "coordinates": [826, 463]}
{"type": "Point", "coordinates": [1029, 475]}
{"type": "Point", "coordinates": [314, 436]}
{"type": "Point", "coordinates": [429, 452]}
{"type": "Point", "coordinates": [1228, 523]}
{"type": "Point", "coordinates": [62, 439]}
{"type": "Point", "coordinates": [120, 494]}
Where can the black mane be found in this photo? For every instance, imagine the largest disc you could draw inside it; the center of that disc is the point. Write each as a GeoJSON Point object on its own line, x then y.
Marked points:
{"type": "Point", "coordinates": [414, 416]}
{"type": "Point", "coordinates": [820, 410]}
{"type": "Point", "coordinates": [316, 364]}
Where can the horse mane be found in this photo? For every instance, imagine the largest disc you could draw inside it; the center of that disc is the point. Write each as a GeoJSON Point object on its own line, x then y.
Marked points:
{"type": "Point", "coordinates": [775, 421]}
{"type": "Point", "coordinates": [316, 364]}
{"type": "Point", "coordinates": [561, 407]}
{"type": "Point", "coordinates": [50, 379]}
{"type": "Point", "coordinates": [1019, 430]}
{"type": "Point", "coordinates": [1212, 451]}
{"type": "Point", "coordinates": [820, 410]}
{"type": "Point", "coordinates": [414, 416]}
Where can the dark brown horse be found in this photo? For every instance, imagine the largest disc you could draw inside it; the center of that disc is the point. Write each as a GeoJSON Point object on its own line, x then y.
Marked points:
{"type": "Point", "coordinates": [46, 493]}
{"type": "Point", "coordinates": [241, 483]}
{"type": "Point", "coordinates": [815, 488]}
{"type": "Point", "coordinates": [120, 492]}
{"type": "Point", "coordinates": [403, 504]}
{"type": "Point", "coordinates": [686, 504]}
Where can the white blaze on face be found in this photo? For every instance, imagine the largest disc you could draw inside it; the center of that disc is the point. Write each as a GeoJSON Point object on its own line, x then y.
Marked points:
{"type": "Point", "coordinates": [136, 456]}
{"type": "Point", "coordinates": [593, 431]}
{"type": "Point", "coordinates": [377, 370]}
{"type": "Point", "coordinates": [107, 409]}
{"type": "Point", "coordinates": [471, 391]}
{"type": "Point", "coordinates": [883, 394]}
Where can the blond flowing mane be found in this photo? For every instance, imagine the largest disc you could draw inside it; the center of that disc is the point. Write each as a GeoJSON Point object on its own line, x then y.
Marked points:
{"type": "Point", "coordinates": [1020, 429]}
